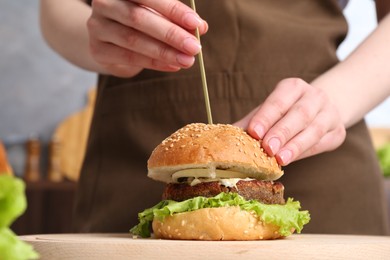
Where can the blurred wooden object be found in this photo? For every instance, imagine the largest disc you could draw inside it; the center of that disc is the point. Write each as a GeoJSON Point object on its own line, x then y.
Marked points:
{"type": "Point", "coordinates": [380, 136]}
{"type": "Point", "coordinates": [51, 201]}
{"type": "Point", "coordinates": [32, 170]}
{"type": "Point", "coordinates": [54, 168]}
{"type": "Point", "coordinates": [72, 135]}
{"type": "Point", "coordinates": [5, 168]}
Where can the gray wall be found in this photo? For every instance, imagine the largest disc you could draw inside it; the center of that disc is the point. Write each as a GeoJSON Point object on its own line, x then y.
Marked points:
{"type": "Point", "coordinates": [38, 89]}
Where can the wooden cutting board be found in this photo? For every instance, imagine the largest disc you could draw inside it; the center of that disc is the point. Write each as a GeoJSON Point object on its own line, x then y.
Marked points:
{"type": "Point", "coordinates": [123, 246]}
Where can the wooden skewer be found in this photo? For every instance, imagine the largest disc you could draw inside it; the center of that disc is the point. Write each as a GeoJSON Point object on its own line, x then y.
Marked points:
{"type": "Point", "coordinates": [203, 74]}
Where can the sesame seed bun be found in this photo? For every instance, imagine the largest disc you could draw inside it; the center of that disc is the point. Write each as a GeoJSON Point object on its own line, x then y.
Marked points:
{"type": "Point", "coordinates": [225, 223]}
{"type": "Point", "coordinates": [216, 146]}
{"type": "Point", "coordinates": [201, 160]}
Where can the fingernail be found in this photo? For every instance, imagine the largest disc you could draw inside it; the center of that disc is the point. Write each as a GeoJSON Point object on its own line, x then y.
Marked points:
{"type": "Point", "coordinates": [185, 60]}
{"type": "Point", "coordinates": [192, 20]}
{"type": "Point", "coordinates": [274, 145]}
{"type": "Point", "coordinates": [259, 131]}
{"type": "Point", "coordinates": [285, 156]}
{"type": "Point", "coordinates": [192, 46]}
{"type": "Point", "coordinates": [206, 26]}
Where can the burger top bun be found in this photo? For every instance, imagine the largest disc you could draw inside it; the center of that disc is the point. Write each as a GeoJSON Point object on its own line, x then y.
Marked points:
{"type": "Point", "coordinates": [216, 146]}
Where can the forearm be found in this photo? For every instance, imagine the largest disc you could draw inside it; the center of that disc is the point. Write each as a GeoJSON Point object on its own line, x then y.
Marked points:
{"type": "Point", "coordinates": [63, 25]}
{"type": "Point", "coordinates": [362, 80]}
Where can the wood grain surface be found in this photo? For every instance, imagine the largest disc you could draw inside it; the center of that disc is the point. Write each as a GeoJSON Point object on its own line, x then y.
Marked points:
{"type": "Point", "coordinates": [124, 246]}
{"type": "Point", "coordinates": [72, 135]}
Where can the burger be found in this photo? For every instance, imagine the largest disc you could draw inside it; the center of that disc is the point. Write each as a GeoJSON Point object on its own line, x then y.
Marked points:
{"type": "Point", "coordinates": [220, 185]}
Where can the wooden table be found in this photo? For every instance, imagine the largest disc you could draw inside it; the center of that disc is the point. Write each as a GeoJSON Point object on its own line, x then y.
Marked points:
{"type": "Point", "coordinates": [123, 246]}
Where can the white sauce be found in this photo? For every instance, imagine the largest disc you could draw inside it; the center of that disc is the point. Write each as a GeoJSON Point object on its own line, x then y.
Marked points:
{"type": "Point", "coordinates": [207, 174]}
{"type": "Point", "coordinates": [224, 177]}
{"type": "Point", "coordinates": [225, 182]}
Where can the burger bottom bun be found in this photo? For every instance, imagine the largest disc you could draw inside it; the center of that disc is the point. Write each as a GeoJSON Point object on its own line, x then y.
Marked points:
{"type": "Point", "coordinates": [225, 223]}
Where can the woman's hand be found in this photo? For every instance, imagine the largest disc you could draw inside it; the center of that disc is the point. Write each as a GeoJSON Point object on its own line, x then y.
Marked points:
{"type": "Point", "coordinates": [297, 120]}
{"type": "Point", "coordinates": [127, 36]}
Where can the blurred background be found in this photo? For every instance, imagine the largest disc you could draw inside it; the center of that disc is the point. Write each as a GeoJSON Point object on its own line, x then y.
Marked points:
{"type": "Point", "coordinates": [39, 90]}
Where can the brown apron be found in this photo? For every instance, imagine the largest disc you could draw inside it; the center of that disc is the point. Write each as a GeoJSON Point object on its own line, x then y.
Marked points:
{"type": "Point", "coordinates": [251, 45]}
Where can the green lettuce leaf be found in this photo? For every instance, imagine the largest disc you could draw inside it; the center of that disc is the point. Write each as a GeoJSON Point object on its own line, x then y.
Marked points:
{"type": "Point", "coordinates": [12, 199]}
{"type": "Point", "coordinates": [13, 248]}
{"type": "Point", "coordinates": [12, 204]}
{"type": "Point", "coordinates": [287, 216]}
{"type": "Point", "coordinates": [383, 154]}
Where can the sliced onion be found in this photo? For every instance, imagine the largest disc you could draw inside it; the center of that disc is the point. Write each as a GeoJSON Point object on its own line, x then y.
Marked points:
{"type": "Point", "coordinates": [207, 173]}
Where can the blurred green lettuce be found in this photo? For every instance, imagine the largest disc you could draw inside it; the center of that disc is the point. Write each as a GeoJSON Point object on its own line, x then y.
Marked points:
{"type": "Point", "coordinates": [12, 248]}
{"type": "Point", "coordinates": [383, 154]}
{"type": "Point", "coordinates": [12, 204]}
{"type": "Point", "coordinates": [12, 199]}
